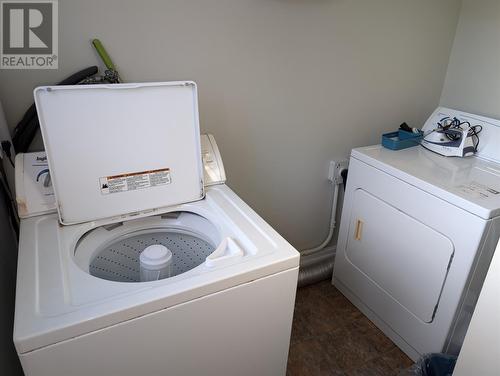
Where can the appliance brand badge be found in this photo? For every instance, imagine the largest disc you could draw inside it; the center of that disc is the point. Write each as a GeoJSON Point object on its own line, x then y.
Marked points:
{"type": "Point", "coordinates": [29, 34]}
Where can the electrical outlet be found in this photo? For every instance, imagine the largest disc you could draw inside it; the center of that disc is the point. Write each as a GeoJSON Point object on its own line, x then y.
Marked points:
{"type": "Point", "coordinates": [335, 169]}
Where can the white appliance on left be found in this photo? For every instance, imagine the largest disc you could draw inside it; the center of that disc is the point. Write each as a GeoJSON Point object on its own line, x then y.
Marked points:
{"type": "Point", "coordinates": [129, 171]}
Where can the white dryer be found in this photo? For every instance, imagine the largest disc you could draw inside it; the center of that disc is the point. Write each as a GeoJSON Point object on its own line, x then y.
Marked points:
{"type": "Point", "coordinates": [417, 234]}
{"type": "Point", "coordinates": [128, 171]}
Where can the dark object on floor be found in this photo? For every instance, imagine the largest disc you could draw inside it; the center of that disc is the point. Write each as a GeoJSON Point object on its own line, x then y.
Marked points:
{"type": "Point", "coordinates": [332, 337]}
{"type": "Point", "coordinates": [432, 365]}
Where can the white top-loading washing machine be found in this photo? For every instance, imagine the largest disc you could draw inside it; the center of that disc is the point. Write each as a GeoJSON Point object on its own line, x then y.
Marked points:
{"type": "Point", "coordinates": [128, 172]}
{"type": "Point", "coordinates": [417, 233]}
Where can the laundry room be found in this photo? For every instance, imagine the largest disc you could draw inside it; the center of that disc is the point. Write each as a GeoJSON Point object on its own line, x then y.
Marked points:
{"type": "Point", "coordinates": [250, 187]}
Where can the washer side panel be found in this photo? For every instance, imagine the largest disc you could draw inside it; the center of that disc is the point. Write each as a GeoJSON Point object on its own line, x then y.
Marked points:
{"type": "Point", "coordinates": [244, 330]}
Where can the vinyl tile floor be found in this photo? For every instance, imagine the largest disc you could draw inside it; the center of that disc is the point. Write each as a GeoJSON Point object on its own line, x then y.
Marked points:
{"type": "Point", "coordinates": [332, 337]}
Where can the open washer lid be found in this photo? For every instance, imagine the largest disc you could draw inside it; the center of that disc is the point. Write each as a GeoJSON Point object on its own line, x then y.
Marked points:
{"type": "Point", "coordinates": [121, 149]}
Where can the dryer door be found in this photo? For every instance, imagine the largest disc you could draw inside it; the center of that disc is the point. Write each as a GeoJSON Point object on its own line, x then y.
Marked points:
{"type": "Point", "coordinates": [405, 258]}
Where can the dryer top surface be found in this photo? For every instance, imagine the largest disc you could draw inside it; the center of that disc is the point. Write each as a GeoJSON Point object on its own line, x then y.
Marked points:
{"type": "Point", "coordinates": [472, 184]}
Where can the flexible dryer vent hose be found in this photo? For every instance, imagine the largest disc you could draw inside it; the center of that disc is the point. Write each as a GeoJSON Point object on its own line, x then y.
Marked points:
{"type": "Point", "coordinates": [316, 268]}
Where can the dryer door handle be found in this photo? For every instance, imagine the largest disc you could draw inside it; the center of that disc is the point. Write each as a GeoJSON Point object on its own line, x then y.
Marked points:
{"type": "Point", "coordinates": [358, 232]}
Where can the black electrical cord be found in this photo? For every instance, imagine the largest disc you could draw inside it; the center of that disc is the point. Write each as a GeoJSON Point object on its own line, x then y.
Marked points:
{"type": "Point", "coordinates": [451, 128]}
{"type": "Point", "coordinates": [6, 145]}
{"type": "Point", "coordinates": [447, 126]}
{"type": "Point", "coordinates": [25, 131]}
{"type": "Point", "coordinates": [474, 132]}
{"type": "Point", "coordinates": [343, 174]}
{"type": "Point", "coordinates": [7, 197]}
{"type": "Point", "coordinates": [6, 193]}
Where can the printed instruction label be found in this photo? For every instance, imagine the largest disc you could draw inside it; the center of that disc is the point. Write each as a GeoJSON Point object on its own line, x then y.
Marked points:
{"type": "Point", "coordinates": [477, 190]}
{"type": "Point", "coordinates": [134, 181]}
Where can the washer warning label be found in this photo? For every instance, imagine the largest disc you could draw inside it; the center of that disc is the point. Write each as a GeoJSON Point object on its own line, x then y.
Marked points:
{"type": "Point", "coordinates": [134, 181]}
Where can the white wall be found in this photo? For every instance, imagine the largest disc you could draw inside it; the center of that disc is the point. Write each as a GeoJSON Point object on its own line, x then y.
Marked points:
{"type": "Point", "coordinates": [285, 85]}
{"type": "Point", "coordinates": [473, 78]}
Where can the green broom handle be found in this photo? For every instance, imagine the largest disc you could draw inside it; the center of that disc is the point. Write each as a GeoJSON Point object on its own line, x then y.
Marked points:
{"type": "Point", "coordinates": [103, 54]}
